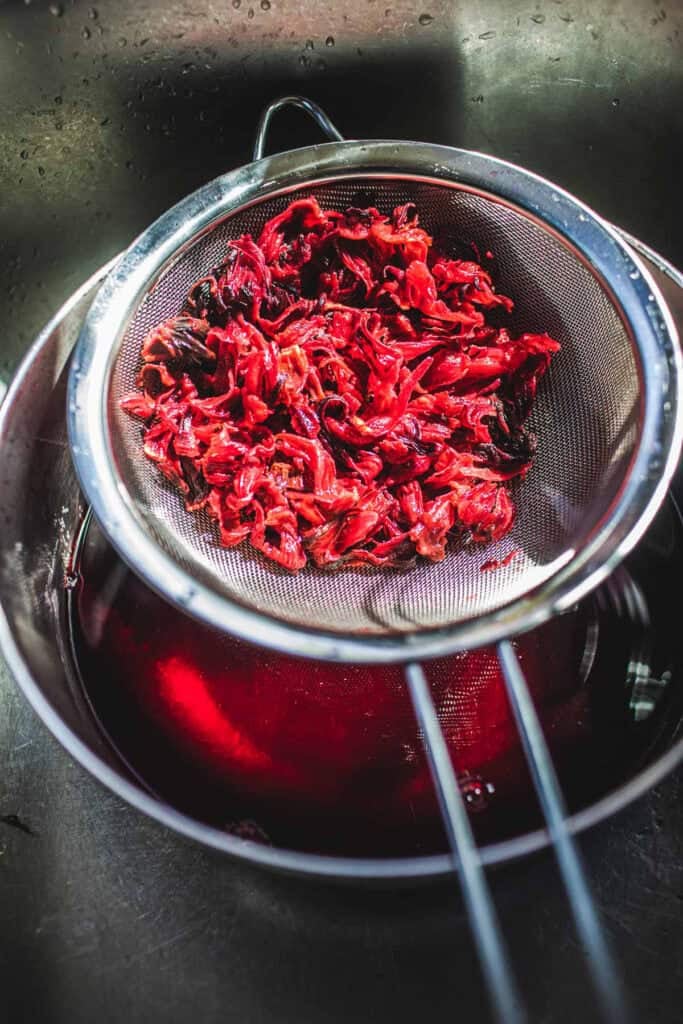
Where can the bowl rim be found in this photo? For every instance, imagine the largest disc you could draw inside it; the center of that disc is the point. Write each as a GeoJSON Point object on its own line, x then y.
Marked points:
{"type": "Point", "coordinates": [332, 868]}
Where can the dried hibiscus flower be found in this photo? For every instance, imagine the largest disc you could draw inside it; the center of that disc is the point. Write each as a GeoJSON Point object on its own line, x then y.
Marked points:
{"type": "Point", "coordinates": [336, 392]}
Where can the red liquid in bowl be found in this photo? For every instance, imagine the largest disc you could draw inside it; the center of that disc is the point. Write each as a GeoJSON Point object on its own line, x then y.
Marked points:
{"type": "Point", "coordinates": [318, 756]}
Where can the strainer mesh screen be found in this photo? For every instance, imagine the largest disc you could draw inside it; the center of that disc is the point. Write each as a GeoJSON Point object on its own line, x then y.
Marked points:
{"type": "Point", "coordinates": [586, 418]}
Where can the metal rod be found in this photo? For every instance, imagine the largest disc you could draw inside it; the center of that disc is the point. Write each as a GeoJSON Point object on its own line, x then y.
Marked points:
{"type": "Point", "coordinates": [599, 959]}
{"type": "Point", "coordinates": [484, 922]}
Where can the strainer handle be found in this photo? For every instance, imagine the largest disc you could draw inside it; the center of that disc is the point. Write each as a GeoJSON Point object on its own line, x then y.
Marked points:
{"type": "Point", "coordinates": [546, 783]}
{"type": "Point", "coordinates": [311, 108]}
{"type": "Point", "coordinates": [493, 957]}
{"type": "Point", "coordinates": [476, 894]}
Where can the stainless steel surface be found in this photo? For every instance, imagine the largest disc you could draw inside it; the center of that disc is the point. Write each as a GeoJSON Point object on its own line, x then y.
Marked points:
{"type": "Point", "coordinates": [111, 917]}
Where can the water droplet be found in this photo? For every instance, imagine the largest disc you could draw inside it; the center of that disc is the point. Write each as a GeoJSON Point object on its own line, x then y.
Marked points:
{"type": "Point", "coordinates": [615, 101]}
{"type": "Point", "coordinates": [85, 32]}
{"type": "Point", "coordinates": [58, 101]}
{"type": "Point", "coordinates": [41, 172]}
{"type": "Point", "coordinates": [476, 793]}
{"type": "Point", "coordinates": [129, 165]}
{"type": "Point", "coordinates": [304, 61]}
{"type": "Point", "coordinates": [57, 10]}
{"type": "Point", "coordinates": [24, 154]}
{"type": "Point", "coordinates": [329, 41]}
{"type": "Point", "coordinates": [309, 44]}
{"type": "Point", "coordinates": [426, 19]}
{"type": "Point", "coordinates": [488, 35]}
{"type": "Point", "coordinates": [92, 13]}
{"type": "Point", "coordinates": [634, 275]}
{"type": "Point", "coordinates": [123, 41]}
{"type": "Point", "coordinates": [265, 5]}
{"type": "Point", "coordinates": [556, 198]}
{"type": "Point", "coordinates": [237, 4]}
{"type": "Point", "coordinates": [538, 18]}
{"type": "Point", "coordinates": [667, 407]}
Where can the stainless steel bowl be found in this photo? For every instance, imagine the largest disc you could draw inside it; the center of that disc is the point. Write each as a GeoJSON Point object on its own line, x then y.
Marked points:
{"type": "Point", "coordinates": [40, 508]}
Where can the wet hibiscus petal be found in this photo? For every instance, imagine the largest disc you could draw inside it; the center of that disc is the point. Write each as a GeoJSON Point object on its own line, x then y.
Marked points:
{"type": "Point", "coordinates": [337, 391]}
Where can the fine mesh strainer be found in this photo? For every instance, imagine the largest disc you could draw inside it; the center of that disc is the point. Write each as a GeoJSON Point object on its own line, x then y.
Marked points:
{"type": "Point", "coordinates": [607, 416]}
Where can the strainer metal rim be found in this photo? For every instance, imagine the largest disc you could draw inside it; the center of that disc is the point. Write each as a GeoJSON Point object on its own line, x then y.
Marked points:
{"type": "Point", "coordinates": [596, 242]}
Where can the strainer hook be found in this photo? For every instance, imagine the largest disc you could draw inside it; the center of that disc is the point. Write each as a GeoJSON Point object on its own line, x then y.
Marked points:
{"type": "Point", "coordinates": [311, 108]}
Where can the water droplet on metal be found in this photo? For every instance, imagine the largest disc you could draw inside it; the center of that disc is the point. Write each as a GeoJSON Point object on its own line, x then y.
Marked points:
{"type": "Point", "coordinates": [250, 12]}
{"type": "Point", "coordinates": [123, 41]}
{"type": "Point", "coordinates": [58, 101]}
{"type": "Point", "coordinates": [85, 32]}
{"type": "Point", "coordinates": [476, 793]}
{"type": "Point", "coordinates": [538, 18]}
{"type": "Point", "coordinates": [634, 275]}
{"type": "Point", "coordinates": [309, 44]}
{"type": "Point", "coordinates": [237, 4]}
{"type": "Point", "coordinates": [41, 172]}
{"type": "Point", "coordinates": [426, 19]}
{"type": "Point", "coordinates": [615, 101]}
{"type": "Point", "coordinates": [57, 10]}
{"type": "Point", "coordinates": [265, 5]}
{"type": "Point", "coordinates": [24, 154]}
{"type": "Point", "coordinates": [329, 41]}
{"type": "Point", "coordinates": [92, 13]}
{"type": "Point", "coordinates": [71, 580]}
{"type": "Point", "coordinates": [304, 61]}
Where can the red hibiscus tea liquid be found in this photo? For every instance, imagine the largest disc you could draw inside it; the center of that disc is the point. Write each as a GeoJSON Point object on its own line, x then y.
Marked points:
{"type": "Point", "coordinates": [327, 757]}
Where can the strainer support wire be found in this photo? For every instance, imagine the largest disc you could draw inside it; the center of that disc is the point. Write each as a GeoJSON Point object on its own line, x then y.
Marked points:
{"type": "Point", "coordinates": [476, 892]}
